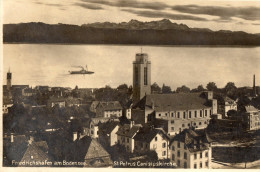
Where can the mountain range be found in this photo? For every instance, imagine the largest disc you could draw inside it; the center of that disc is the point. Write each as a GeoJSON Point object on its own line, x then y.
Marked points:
{"type": "Point", "coordinates": [162, 32]}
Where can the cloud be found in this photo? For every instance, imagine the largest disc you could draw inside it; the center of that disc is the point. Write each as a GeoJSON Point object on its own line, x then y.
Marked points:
{"type": "Point", "coordinates": [158, 14]}
{"type": "Point", "coordinates": [41, 3]}
{"type": "Point", "coordinates": [89, 6]}
{"type": "Point", "coordinates": [130, 4]}
{"type": "Point", "coordinates": [225, 13]}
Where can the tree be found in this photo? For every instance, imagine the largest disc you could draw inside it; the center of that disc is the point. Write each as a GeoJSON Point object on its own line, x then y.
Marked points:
{"type": "Point", "coordinates": [230, 89]}
{"type": "Point", "coordinates": [211, 86]}
{"type": "Point", "coordinates": [155, 88]}
{"type": "Point", "coordinates": [122, 87]}
{"type": "Point", "coordinates": [166, 89]}
{"type": "Point", "coordinates": [183, 89]}
{"type": "Point", "coordinates": [200, 88]}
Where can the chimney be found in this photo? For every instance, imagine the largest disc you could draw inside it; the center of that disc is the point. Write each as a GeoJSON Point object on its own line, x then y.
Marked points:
{"type": "Point", "coordinates": [75, 136]}
{"type": "Point", "coordinates": [31, 140]}
{"type": "Point", "coordinates": [132, 123]}
{"type": "Point", "coordinates": [153, 105]}
{"type": "Point", "coordinates": [254, 88]}
{"type": "Point", "coordinates": [12, 137]}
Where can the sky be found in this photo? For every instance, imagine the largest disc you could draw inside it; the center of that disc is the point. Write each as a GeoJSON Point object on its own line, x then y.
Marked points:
{"type": "Point", "coordinates": [235, 15]}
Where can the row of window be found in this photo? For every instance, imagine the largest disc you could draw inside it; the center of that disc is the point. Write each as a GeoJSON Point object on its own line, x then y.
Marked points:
{"type": "Point", "coordinates": [188, 125]}
{"type": "Point", "coordinates": [178, 115]}
{"type": "Point", "coordinates": [195, 164]}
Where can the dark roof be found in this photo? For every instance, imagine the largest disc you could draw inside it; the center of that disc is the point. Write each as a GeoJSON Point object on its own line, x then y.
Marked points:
{"type": "Point", "coordinates": [126, 131]}
{"type": "Point", "coordinates": [229, 100]}
{"type": "Point", "coordinates": [89, 148]}
{"type": "Point", "coordinates": [178, 101]}
{"type": "Point", "coordinates": [35, 153]}
{"type": "Point", "coordinates": [112, 105]}
{"type": "Point", "coordinates": [147, 135]}
{"type": "Point", "coordinates": [108, 127]}
{"type": "Point", "coordinates": [194, 140]}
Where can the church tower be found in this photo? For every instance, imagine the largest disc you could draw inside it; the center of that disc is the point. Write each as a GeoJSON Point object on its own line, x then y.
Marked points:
{"type": "Point", "coordinates": [141, 76]}
{"type": "Point", "coordinates": [9, 80]}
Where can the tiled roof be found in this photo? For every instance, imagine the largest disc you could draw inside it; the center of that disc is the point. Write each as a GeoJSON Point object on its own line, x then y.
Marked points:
{"type": "Point", "coordinates": [194, 140]}
{"type": "Point", "coordinates": [108, 127]}
{"type": "Point", "coordinates": [126, 131]}
{"type": "Point", "coordinates": [89, 148]}
{"type": "Point", "coordinates": [112, 105]}
{"type": "Point", "coordinates": [147, 135]}
{"type": "Point", "coordinates": [35, 153]}
{"type": "Point", "coordinates": [178, 101]}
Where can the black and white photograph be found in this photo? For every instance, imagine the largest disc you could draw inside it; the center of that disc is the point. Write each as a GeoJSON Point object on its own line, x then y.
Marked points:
{"type": "Point", "coordinates": [130, 84]}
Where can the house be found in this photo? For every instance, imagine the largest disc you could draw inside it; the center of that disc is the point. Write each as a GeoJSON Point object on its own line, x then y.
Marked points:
{"type": "Point", "coordinates": [251, 118]}
{"type": "Point", "coordinates": [7, 103]}
{"type": "Point", "coordinates": [19, 151]}
{"type": "Point", "coordinates": [176, 111]}
{"type": "Point", "coordinates": [28, 92]}
{"type": "Point", "coordinates": [107, 133]}
{"type": "Point", "coordinates": [112, 109]}
{"type": "Point", "coordinates": [92, 129]}
{"type": "Point", "coordinates": [226, 104]}
{"type": "Point", "coordinates": [59, 101]}
{"type": "Point", "coordinates": [191, 149]}
{"type": "Point", "coordinates": [72, 102]}
{"type": "Point", "coordinates": [93, 106]}
{"type": "Point", "coordinates": [128, 110]}
{"type": "Point", "coordinates": [89, 151]}
{"type": "Point", "coordinates": [125, 135]}
{"type": "Point", "coordinates": [152, 139]}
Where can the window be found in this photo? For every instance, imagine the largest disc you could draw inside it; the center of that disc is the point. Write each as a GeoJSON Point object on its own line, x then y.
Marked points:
{"type": "Point", "coordinates": [200, 164]}
{"type": "Point", "coordinates": [173, 157]}
{"type": "Point", "coordinates": [200, 113]}
{"type": "Point", "coordinates": [145, 75]}
{"type": "Point", "coordinates": [195, 114]}
{"type": "Point", "coordinates": [201, 155]}
{"type": "Point", "coordinates": [172, 114]}
{"type": "Point", "coordinates": [185, 147]}
{"type": "Point", "coordinates": [159, 114]}
{"type": "Point", "coordinates": [155, 138]}
{"type": "Point", "coordinates": [195, 156]}
{"type": "Point", "coordinates": [165, 114]}
{"type": "Point", "coordinates": [205, 122]}
{"type": "Point", "coordinates": [163, 153]}
{"type": "Point", "coordinates": [136, 75]}
{"type": "Point", "coordinates": [194, 123]}
{"type": "Point", "coordinates": [183, 125]}
{"type": "Point", "coordinates": [178, 154]}
{"type": "Point", "coordinates": [210, 112]}
{"type": "Point", "coordinates": [172, 128]}
{"type": "Point", "coordinates": [164, 145]}
{"type": "Point", "coordinates": [173, 148]}
{"type": "Point", "coordinates": [178, 114]}
{"type": "Point", "coordinates": [206, 154]}
{"type": "Point", "coordinates": [184, 115]}
{"type": "Point", "coordinates": [189, 125]}
{"type": "Point", "coordinates": [179, 163]}
{"type": "Point", "coordinates": [127, 140]}
{"type": "Point", "coordinates": [195, 165]}
{"type": "Point", "coordinates": [172, 122]}
{"type": "Point", "coordinates": [185, 155]}
{"type": "Point", "coordinates": [179, 144]}
{"type": "Point", "coordinates": [199, 123]}
{"type": "Point", "coordinates": [206, 112]}
{"type": "Point", "coordinates": [206, 164]}
{"type": "Point", "coordinates": [189, 114]}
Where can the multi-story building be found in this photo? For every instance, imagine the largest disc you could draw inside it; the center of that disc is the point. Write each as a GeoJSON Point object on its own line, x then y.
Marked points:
{"type": "Point", "coordinates": [125, 135]}
{"type": "Point", "coordinates": [152, 139]}
{"type": "Point", "coordinates": [191, 149]}
{"type": "Point", "coordinates": [92, 129]}
{"type": "Point", "coordinates": [107, 133]}
{"type": "Point", "coordinates": [176, 112]}
{"type": "Point", "coordinates": [251, 118]}
{"type": "Point", "coordinates": [112, 109]}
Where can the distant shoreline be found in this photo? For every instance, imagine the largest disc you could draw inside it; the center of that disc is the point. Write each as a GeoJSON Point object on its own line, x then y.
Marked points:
{"type": "Point", "coordinates": [152, 45]}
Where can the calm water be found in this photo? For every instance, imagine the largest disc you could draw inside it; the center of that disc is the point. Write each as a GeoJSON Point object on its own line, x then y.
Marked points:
{"type": "Point", "coordinates": [48, 64]}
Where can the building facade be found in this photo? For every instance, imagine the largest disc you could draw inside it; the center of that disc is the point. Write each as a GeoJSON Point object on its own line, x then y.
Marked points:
{"type": "Point", "coordinates": [191, 150]}
{"type": "Point", "coordinates": [112, 109]}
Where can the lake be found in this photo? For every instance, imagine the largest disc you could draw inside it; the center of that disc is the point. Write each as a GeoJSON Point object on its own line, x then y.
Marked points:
{"type": "Point", "coordinates": [48, 64]}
